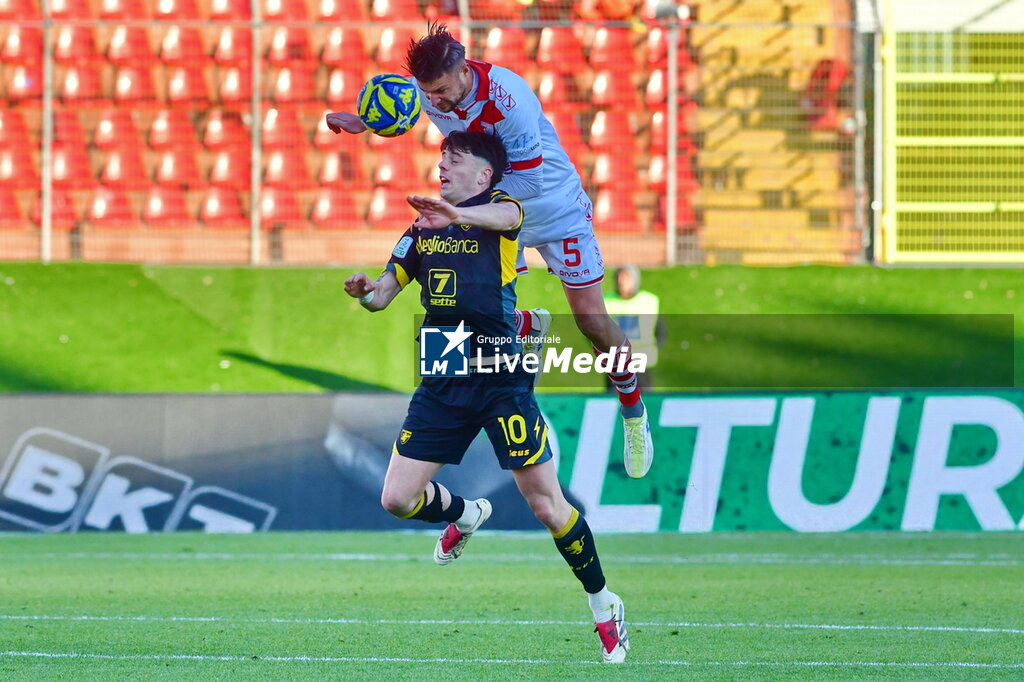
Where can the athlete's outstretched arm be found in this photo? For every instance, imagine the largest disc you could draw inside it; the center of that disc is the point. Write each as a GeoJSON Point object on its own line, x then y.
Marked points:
{"type": "Point", "coordinates": [342, 120]}
{"type": "Point", "coordinates": [438, 213]}
{"type": "Point", "coordinates": [384, 289]}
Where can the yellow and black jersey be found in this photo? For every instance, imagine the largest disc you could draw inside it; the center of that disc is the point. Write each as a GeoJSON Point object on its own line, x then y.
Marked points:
{"type": "Point", "coordinates": [466, 274]}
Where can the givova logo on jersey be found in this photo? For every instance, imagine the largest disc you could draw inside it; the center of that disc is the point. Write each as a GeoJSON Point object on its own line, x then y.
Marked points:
{"type": "Point", "coordinates": [53, 481]}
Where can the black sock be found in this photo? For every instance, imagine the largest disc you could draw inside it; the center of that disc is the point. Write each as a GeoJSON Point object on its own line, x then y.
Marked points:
{"type": "Point", "coordinates": [431, 512]}
{"type": "Point", "coordinates": [575, 543]}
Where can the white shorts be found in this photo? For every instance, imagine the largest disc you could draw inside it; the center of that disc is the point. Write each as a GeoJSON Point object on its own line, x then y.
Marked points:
{"type": "Point", "coordinates": [575, 260]}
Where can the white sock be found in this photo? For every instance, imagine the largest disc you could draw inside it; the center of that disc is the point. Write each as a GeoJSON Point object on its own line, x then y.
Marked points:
{"type": "Point", "coordinates": [469, 515]}
{"type": "Point", "coordinates": [601, 604]}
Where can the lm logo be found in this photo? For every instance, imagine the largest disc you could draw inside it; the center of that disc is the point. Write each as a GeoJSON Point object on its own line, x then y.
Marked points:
{"type": "Point", "coordinates": [53, 482]}
{"type": "Point", "coordinates": [444, 351]}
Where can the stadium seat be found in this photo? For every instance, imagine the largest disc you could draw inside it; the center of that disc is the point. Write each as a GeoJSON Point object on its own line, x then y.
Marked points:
{"type": "Point", "coordinates": [177, 10]}
{"type": "Point", "coordinates": [284, 10]}
{"type": "Point", "coordinates": [116, 128]}
{"type": "Point", "coordinates": [657, 173]}
{"type": "Point", "coordinates": [614, 211]}
{"type": "Point", "coordinates": [294, 85]}
{"type": "Point", "coordinates": [182, 46]}
{"type": "Point", "coordinates": [232, 168]}
{"type": "Point", "coordinates": [560, 50]}
{"type": "Point", "coordinates": [129, 46]}
{"type": "Point", "coordinates": [123, 168]}
{"type": "Point", "coordinates": [225, 130]}
{"type": "Point", "coordinates": [71, 9]}
{"type": "Point", "coordinates": [172, 129]}
{"type": "Point", "coordinates": [75, 45]}
{"type": "Point", "coordinates": [343, 88]}
{"type": "Point", "coordinates": [821, 97]}
{"type": "Point", "coordinates": [177, 167]}
{"type": "Point", "coordinates": [71, 168]}
{"type": "Point", "coordinates": [82, 85]}
{"type": "Point", "coordinates": [279, 209]}
{"type": "Point", "coordinates": [133, 85]}
{"type": "Point", "coordinates": [13, 131]}
{"type": "Point", "coordinates": [230, 10]}
{"type": "Point", "coordinates": [614, 89]}
{"type": "Point", "coordinates": [329, 11]}
{"type": "Point", "coordinates": [345, 48]}
{"type": "Point", "coordinates": [110, 207]}
{"type": "Point", "coordinates": [62, 209]}
{"type": "Point", "coordinates": [17, 169]}
{"type": "Point", "coordinates": [334, 209]}
{"type": "Point", "coordinates": [287, 168]}
{"type": "Point", "coordinates": [282, 130]}
{"type": "Point", "coordinates": [569, 135]}
{"type": "Point", "coordinates": [234, 46]}
{"type": "Point", "coordinates": [507, 47]}
{"type": "Point", "coordinates": [342, 169]}
{"type": "Point", "coordinates": [556, 92]}
{"type": "Point", "coordinates": [615, 169]}
{"type": "Point", "coordinates": [657, 48]}
{"type": "Point", "coordinates": [122, 10]}
{"type": "Point", "coordinates": [24, 45]}
{"type": "Point", "coordinates": [221, 209]}
{"type": "Point", "coordinates": [19, 10]}
{"type": "Point", "coordinates": [612, 49]}
{"type": "Point", "coordinates": [388, 209]}
{"type": "Point", "coordinates": [610, 130]}
{"type": "Point", "coordinates": [659, 128]}
{"type": "Point", "coordinates": [288, 46]}
{"type": "Point", "coordinates": [165, 207]}
{"type": "Point", "coordinates": [235, 87]}
{"type": "Point", "coordinates": [656, 90]}
{"type": "Point", "coordinates": [396, 169]}
{"type": "Point", "coordinates": [10, 213]}
{"type": "Point", "coordinates": [67, 129]}
{"type": "Point", "coordinates": [24, 84]}
{"type": "Point", "coordinates": [186, 87]}
{"type": "Point", "coordinates": [686, 217]}
{"type": "Point", "coordinates": [392, 48]}
{"type": "Point", "coordinates": [394, 10]}
{"type": "Point", "coordinates": [432, 139]}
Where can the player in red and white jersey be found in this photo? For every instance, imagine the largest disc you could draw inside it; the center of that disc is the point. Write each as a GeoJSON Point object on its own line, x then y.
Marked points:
{"type": "Point", "coordinates": [459, 94]}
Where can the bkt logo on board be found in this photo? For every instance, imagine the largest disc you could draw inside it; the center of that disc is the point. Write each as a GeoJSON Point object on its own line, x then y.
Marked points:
{"type": "Point", "coordinates": [54, 482]}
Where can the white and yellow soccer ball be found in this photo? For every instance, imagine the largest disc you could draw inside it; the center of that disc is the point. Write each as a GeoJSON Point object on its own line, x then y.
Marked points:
{"type": "Point", "coordinates": [389, 105]}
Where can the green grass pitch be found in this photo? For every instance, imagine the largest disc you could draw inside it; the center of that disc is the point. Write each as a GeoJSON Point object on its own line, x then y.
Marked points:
{"type": "Point", "coordinates": [362, 606]}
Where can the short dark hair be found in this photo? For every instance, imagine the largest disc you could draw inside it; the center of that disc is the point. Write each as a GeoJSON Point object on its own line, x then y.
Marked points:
{"type": "Point", "coordinates": [435, 54]}
{"type": "Point", "coordinates": [481, 145]}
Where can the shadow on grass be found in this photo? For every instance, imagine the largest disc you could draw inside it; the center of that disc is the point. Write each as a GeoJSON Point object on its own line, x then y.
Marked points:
{"type": "Point", "coordinates": [318, 377]}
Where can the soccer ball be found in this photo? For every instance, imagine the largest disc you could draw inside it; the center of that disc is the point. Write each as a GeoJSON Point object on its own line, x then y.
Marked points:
{"type": "Point", "coordinates": [389, 105]}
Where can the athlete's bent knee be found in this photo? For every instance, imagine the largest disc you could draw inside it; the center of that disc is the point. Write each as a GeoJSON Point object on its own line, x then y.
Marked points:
{"type": "Point", "coordinates": [398, 504]}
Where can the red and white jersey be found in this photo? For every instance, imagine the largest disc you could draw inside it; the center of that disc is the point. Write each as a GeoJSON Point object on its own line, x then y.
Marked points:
{"type": "Point", "coordinates": [506, 107]}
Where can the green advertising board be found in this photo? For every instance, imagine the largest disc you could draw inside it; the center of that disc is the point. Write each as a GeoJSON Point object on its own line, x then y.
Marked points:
{"type": "Point", "coordinates": [901, 460]}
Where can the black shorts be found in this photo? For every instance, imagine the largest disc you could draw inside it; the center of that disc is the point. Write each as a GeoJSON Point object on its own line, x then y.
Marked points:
{"type": "Point", "coordinates": [445, 415]}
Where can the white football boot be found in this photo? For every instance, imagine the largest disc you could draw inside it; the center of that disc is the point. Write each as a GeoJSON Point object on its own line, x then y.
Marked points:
{"type": "Point", "coordinates": [612, 633]}
{"type": "Point", "coordinates": [638, 452]}
{"type": "Point", "coordinates": [452, 541]}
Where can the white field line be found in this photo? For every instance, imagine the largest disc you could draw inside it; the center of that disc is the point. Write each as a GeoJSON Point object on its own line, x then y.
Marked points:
{"type": "Point", "coordinates": [825, 559]}
{"type": "Point", "coordinates": [505, 661]}
{"type": "Point", "coordinates": [503, 622]}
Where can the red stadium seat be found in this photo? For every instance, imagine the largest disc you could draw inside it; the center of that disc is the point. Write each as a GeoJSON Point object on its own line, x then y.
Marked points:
{"type": "Point", "coordinates": [19, 10]}
{"type": "Point", "coordinates": [17, 169]}
{"type": "Point", "coordinates": [389, 210]}
{"type": "Point", "coordinates": [75, 45]}
{"type": "Point", "coordinates": [615, 169]}
{"type": "Point", "coordinates": [232, 168]}
{"type": "Point", "coordinates": [686, 217]}
{"type": "Point", "coordinates": [285, 10]}
{"type": "Point", "coordinates": [612, 49]}
{"type": "Point", "coordinates": [67, 129]}
{"type": "Point", "coordinates": [396, 169]}
{"type": "Point", "coordinates": [328, 11]}
{"type": "Point", "coordinates": [342, 169]}
{"type": "Point", "coordinates": [432, 139]}
{"type": "Point", "coordinates": [172, 129]}
{"type": "Point", "coordinates": [345, 48]}
{"type": "Point", "coordinates": [186, 87]}
{"type": "Point", "coordinates": [177, 10]}
{"type": "Point", "coordinates": [177, 167]}
{"type": "Point", "coordinates": [129, 46]}
{"type": "Point", "coordinates": [287, 168]}
{"type": "Point", "coordinates": [165, 207]}
{"type": "Point", "coordinates": [568, 130]}
{"type": "Point", "coordinates": [82, 85]}
{"type": "Point", "coordinates": [71, 168]}
{"type": "Point", "coordinates": [24, 45]}
{"type": "Point", "coordinates": [610, 130]}
{"type": "Point", "coordinates": [659, 128]}
{"type": "Point", "coordinates": [560, 50]}
{"type": "Point", "coordinates": [392, 48]}
{"type": "Point", "coordinates": [279, 209]}
{"type": "Point", "coordinates": [63, 215]}
{"type": "Point", "coordinates": [71, 9]}
{"type": "Point", "coordinates": [334, 209]}
{"type": "Point", "coordinates": [614, 89]}
{"type": "Point", "coordinates": [235, 87]}
{"type": "Point", "coordinates": [507, 47]}
{"type": "Point", "coordinates": [221, 209]}
{"type": "Point", "coordinates": [230, 10]}
{"type": "Point", "coordinates": [111, 208]}
{"type": "Point", "coordinates": [282, 130]}
{"type": "Point", "coordinates": [294, 85]}
{"type": "Point", "coordinates": [234, 46]}
{"type": "Point", "coordinates": [225, 130]}
{"type": "Point", "coordinates": [614, 211]}
{"type": "Point", "coordinates": [24, 84]}
{"type": "Point", "coordinates": [10, 213]}
{"type": "Point", "coordinates": [394, 10]}
{"type": "Point", "coordinates": [656, 92]}
{"type": "Point", "coordinates": [343, 88]}
{"type": "Point", "coordinates": [116, 128]}
{"type": "Point", "coordinates": [182, 46]}
{"type": "Point", "coordinates": [123, 168]}
{"type": "Point", "coordinates": [13, 131]}
{"type": "Point", "coordinates": [555, 92]}
{"type": "Point", "coordinates": [289, 45]}
{"type": "Point", "coordinates": [133, 85]}
{"type": "Point", "coordinates": [122, 10]}
{"type": "Point", "coordinates": [657, 174]}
